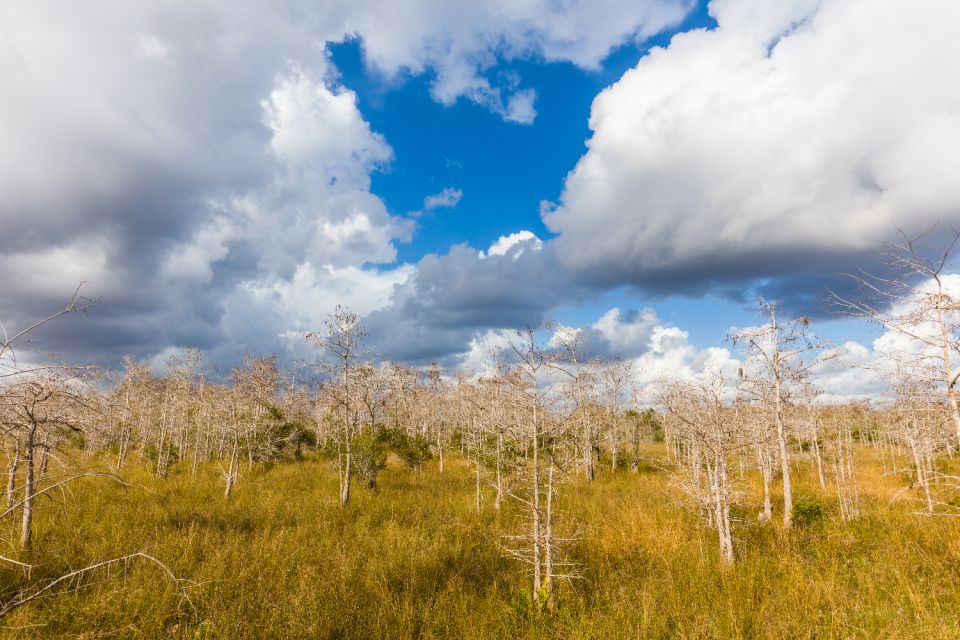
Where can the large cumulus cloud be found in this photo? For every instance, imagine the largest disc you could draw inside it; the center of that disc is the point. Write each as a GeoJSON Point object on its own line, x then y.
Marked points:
{"type": "Point", "coordinates": [784, 145]}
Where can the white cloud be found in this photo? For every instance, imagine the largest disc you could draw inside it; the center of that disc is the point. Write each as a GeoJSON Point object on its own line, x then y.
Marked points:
{"type": "Point", "coordinates": [313, 292]}
{"type": "Point", "coordinates": [520, 107]}
{"type": "Point", "coordinates": [563, 334]}
{"type": "Point", "coordinates": [513, 245]}
{"type": "Point", "coordinates": [850, 374]}
{"type": "Point", "coordinates": [658, 353]}
{"type": "Point", "coordinates": [654, 351]}
{"type": "Point", "coordinates": [462, 41]}
{"type": "Point", "coordinates": [193, 260]}
{"type": "Point", "coordinates": [275, 313]}
{"type": "Point", "coordinates": [313, 123]}
{"type": "Point", "coordinates": [150, 46]}
{"type": "Point", "coordinates": [446, 199]}
{"type": "Point", "coordinates": [629, 332]}
{"type": "Point", "coordinates": [57, 269]}
{"type": "Point", "coordinates": [480, 358]}
{"type": "Point", "coordinates": [793, 131]}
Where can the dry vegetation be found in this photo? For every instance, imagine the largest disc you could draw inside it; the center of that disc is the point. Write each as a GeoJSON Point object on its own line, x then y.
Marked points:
{"type": "Point", "coordinates": [281, 559]}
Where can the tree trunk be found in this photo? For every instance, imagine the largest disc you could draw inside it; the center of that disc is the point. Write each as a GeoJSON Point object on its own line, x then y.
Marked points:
{"type": "Point", "coordinates": [614, 441]}
{"type": "Point", "coordinates": [816, 452]}
{"type": "Point", "coordinates": [947, 366]}
{"type": "Point", "coordinates": [124, 447]}
{"type": "Point", "coordinates": [499, 497]}
{"type": "Point", "coordinates": [765, 472]}
{"type": "Point", "coordinates": [784, 452]}
{"type": "Point", "coordinates": [12, 474]}
{"type": "Point", "coordinates": [548, 539]}
{"type": "Point", "coordinates": [26, 528]}
{"type": "Point", "coordinates": [588, 470]}
{"type": "Point", "coordinates": [345, 489]}
{"type": "Point", "coordinates": [162, 442]}
{"type": "Point", "coordinates": [234, 467]}
{"type": "Point", "coordinates": [196, 445]}
{"type": "Point", "coordinates": [479, 445]}
{"type": "Point", "coordinates": [717, 474]}
{"type": "Point", "coordinates": [440, 449]}
{"type": "Point", "coordinates": [922, 478]}
{"type": "Point", "coordinates": [537, 576]}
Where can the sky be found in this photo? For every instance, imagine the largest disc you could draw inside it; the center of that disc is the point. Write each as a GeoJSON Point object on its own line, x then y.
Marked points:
{"type": "Point", "coordinates": [224, 173]}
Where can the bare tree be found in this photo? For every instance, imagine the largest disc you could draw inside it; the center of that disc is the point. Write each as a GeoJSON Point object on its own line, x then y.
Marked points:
{"type": "Point", "coordinates": [569, 359]}
{"type": "Point", "coordinates": [614, 375]}
{"type": "Point", "coordinates": [10, 345]}
{"type": "Point", "coordinates": [920, 423]}
{"type": "Point", "coordinates": [917, 302]}
{"type": "Point", "coordinates": [707, 433]}
{"type": "Point", "coordinates": [438, 411]}
{"type": "Point", "coordinates": [38, 410]}
{"type": "Point", "coordinates": [342, 339]}
{"type": "Point", "coordinates": [780, 356]}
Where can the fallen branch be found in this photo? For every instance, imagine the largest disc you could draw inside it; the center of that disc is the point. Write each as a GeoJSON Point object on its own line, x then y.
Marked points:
{"type": "Point", "coordinates": [49, 588]}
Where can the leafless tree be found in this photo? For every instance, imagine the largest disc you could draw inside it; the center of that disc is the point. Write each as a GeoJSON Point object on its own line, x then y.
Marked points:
{"type": "Point", "coordinates": [707, 432]}
{"type": "Point", "coordinates": [570, 360]}
{"type": "Point", "coordinates": [780, 356]}
{"type": "Point", "coordinates": [917, 302]}
{"type": "Point", "coordinates": [342, 339]}
{"type": "Point", "coordinates": [541, 543]}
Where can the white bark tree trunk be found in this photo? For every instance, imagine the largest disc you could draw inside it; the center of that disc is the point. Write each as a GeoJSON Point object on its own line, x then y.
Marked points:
{"type": "Point", "coordinates": [26, 524]}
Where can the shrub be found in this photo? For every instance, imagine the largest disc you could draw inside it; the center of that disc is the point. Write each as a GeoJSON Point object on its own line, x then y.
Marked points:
{"type": "Point", "coordinates": [807, 511]}
{"type": "Point", "coordinates": [369, 452]}
{"type": "Point", "coordinates": [413, 450]}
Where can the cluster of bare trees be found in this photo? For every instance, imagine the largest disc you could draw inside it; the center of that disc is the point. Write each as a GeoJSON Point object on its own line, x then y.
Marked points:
{"type": "Point", "coordinates": [770, 417]}
{"type": "Point", "coordinates": [41, 407]}
{"type": "Point", "coordinates": [536, 418]}
{"type": "Point", "coordinates": [759, 416]}
{"type": "Point", "coordinates": [47, 413]}
{"type": "Point", "coordinates": [722, 435]}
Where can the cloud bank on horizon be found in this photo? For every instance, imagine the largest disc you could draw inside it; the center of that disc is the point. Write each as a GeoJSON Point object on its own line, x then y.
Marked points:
{"type": "Point", "coordinates": [204, 167]}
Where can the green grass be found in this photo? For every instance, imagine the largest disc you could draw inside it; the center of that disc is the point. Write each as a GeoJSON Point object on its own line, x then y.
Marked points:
{"type": "Point", "coordinates": [282, 560]}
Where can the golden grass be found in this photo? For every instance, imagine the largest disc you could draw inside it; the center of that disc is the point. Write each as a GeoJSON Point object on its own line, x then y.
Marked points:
{"type": "Point", "coordinates": [282, 560]}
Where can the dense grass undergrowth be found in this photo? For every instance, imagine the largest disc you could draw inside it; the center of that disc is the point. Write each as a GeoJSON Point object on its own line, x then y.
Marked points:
{"type": "Point", "coordinates": [282, 560]}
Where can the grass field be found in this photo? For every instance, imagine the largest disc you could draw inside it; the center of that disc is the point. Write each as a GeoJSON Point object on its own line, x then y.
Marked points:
{"type": "Point", "coordinates": [282, 560]}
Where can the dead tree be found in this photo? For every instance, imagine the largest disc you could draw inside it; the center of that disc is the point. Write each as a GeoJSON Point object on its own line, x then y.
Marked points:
{"type": "Point", "coordinates": [342, 340]}
{"type": "Point", "coordinates": [920, 423]}
{"type": "Point", "coordinates": [844, 471]}
{"type": "Point", "coordinates": [569, 358]}
{"type": "Point", "coordinates": [706, 430]}
{"type": "Point", "coordinates": [917, 300]}
{"type": "Point", "coordinates": [614, 377]}
{"type": "Point", "coordinates": [37, 410]}
{"type": "Point", "coordinates": [779, 357]}
{"type": "Point", "coordinates": [541, 543]}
